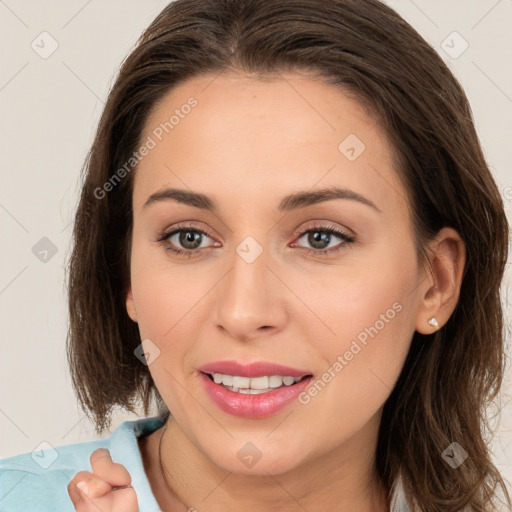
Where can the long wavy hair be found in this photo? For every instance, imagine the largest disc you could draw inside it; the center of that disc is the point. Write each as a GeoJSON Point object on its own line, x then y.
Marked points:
{"type": "Point", "coordinates": [450, 378]}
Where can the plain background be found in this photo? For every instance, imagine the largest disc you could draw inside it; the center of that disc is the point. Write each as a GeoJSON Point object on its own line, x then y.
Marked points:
{"type": "Point", "coordinates": [50, 108]}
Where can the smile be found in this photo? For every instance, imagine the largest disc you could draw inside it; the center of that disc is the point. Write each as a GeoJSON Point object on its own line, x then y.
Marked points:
{"type": "Point", "coordinates": [254, 385]}
{"type": "Point", "coordinates": [255, 397]}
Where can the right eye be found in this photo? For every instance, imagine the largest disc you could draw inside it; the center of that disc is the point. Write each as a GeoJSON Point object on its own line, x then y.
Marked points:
{"type": "Point", "coordinates": [185, 241]}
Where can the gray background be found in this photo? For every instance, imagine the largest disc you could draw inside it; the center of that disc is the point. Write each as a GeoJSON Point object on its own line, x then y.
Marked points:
{"type": "Point", "coordinates": [50, 107]}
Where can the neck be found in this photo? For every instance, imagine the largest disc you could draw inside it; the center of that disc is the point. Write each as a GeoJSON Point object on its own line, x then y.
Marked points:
{"type": "Point", "coordinates": [182, 479]}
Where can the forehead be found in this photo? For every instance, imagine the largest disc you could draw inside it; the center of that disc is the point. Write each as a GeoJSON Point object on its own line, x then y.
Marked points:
{"type": "Point", "coordinates": [259, 137]}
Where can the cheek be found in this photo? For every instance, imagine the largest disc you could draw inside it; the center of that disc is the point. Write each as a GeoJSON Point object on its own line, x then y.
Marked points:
{"type": "Point", "coordinates": [371, 315]}
{"type": "Point", "coordinates": [363, 360]}
{"type": "Point", "coordinates": [164, 293]}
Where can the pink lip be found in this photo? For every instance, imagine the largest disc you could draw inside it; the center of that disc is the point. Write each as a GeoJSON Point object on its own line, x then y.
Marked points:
{"type": "Point", "coordinates": [253, 406]}
{"type": "Point", "coordinates": [256, 369]}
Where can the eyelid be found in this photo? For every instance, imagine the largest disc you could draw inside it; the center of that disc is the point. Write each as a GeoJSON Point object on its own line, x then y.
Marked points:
{"type": "Point", "coordinates": [325, 224]}
{"type": "Point", "coordinates": [346, 238]}
{"type": "Point", "coordinates": [166, 233]}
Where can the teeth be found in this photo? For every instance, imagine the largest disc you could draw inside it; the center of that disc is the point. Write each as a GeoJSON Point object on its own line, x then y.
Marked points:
{"type": "Point", "coordinates": [253, 385]}
{"type": "Point", "coordinates": [274, 381]}
{"type": "Point", "coordinates": [240, 382]}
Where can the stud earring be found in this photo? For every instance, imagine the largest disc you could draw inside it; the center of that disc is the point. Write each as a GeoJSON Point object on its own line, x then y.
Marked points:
{"type": "Point", "coordinates": [433, 322]}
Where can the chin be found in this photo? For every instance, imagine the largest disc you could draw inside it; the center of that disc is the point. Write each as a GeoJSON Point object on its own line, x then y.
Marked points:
{"type": "Point", "coordinates": [250, 461]}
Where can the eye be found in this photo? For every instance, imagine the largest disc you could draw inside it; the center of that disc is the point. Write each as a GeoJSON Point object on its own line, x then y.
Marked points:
{"type": "Point", "coordinates": [188, 237]}
{"type": "Point", "coordinates": [319, 237]}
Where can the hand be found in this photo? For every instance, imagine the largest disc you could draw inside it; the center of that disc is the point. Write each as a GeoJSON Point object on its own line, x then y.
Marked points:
{"type": "Point", "coordinates": [108, 487]}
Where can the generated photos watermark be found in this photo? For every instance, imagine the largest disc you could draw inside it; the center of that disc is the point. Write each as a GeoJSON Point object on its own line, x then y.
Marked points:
{"type": "Point", "coordinates": [149, 144]}
{"type": "Point", "coordinates": [355, 348]}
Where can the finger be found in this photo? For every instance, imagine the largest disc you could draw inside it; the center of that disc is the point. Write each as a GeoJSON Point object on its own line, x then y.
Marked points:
{"type": "Point", "coordinates": [91, 486]}
{"type": "Point", "coordinates": [99, 495]}
{"type": "Point", "coordinates": [111, 472]}
{"type": "Point", "coordinates": [74, 492]}
{"type": "Point", "coordinates": [125, 500]}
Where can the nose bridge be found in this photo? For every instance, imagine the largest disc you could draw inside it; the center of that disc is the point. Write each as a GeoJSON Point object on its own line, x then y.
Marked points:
{"type": "Point", "coordinates": [246, 298]}
{"type": "Point", "coordinates": [248, 278]}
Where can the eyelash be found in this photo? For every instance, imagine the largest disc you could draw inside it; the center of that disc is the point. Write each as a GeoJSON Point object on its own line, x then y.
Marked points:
{"type": "Point", "coordinates": [347, 239]}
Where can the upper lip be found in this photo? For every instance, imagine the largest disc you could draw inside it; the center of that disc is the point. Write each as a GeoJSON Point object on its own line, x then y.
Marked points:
{"type": "Point", "coordinates": [255, 369]}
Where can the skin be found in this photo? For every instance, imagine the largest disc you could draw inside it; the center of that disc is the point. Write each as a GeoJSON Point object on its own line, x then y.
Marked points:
{"type": "Point", "coordinates": [101, 486]}
{"type": "Point", "coordinates": [247, 144]}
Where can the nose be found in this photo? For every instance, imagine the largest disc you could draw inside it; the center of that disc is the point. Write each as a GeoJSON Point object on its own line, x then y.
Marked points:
{"type": "Point", "coordinates": [250, 299]}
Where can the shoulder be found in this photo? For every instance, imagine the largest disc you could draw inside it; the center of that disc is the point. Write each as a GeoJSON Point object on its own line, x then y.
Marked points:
{"type": "Point", "coordinates": [38, 480]}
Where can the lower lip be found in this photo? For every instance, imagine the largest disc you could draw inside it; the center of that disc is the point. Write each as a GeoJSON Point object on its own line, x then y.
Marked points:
{"type": "Point", "coordinates": [253, 406]}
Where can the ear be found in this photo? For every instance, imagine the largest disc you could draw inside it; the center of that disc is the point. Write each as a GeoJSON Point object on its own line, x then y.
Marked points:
{"type": "Point", "coordinates": [130, 305]}
{"type": "Point", "coordinates": [440, 290]}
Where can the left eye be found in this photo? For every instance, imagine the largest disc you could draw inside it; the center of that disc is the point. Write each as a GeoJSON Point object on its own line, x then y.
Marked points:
{"type": "Point", "coordinates": [317, 237]}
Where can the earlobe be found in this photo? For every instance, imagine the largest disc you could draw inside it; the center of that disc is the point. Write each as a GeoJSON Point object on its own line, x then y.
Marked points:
{"type": "Point", "coordinates": [130, 305]}
{"type": "Point", "coordinates": [441, 291]}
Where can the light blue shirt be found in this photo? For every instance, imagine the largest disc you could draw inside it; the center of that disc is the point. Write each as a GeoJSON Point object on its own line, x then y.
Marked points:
{"type": "Point", "coordinates": [38, 481]}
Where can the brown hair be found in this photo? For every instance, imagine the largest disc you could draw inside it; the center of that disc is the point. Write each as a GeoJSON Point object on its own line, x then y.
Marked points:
{"type": "Point", "coordinates": [366, 49]}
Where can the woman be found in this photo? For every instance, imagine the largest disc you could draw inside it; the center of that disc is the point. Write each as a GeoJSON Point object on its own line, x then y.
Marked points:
{"type": "Point", "coordinates": [283, 236]}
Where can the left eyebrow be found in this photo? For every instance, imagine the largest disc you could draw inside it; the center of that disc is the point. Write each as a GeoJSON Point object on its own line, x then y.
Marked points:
{"type": "Point", "coordinates": [288, 203]}
{"type": "Point", "coordinates": [307, 198]}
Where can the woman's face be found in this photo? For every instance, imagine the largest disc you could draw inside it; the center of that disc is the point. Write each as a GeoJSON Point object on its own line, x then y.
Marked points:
{"type": "Point", "coordinates": [267, 282]}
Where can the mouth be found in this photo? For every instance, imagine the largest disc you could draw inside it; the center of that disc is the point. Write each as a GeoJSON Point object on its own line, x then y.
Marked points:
{"type": "Point", "coordinates": [254, 385]}
{"type": "Point", "coordinates": [252, 390]}
{"type": "Point", "coordinates": [253, 397]}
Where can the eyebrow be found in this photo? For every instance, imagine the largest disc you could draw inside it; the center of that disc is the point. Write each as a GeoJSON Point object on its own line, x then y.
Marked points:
{"type": "Point", "coordinates": [290, 202]}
